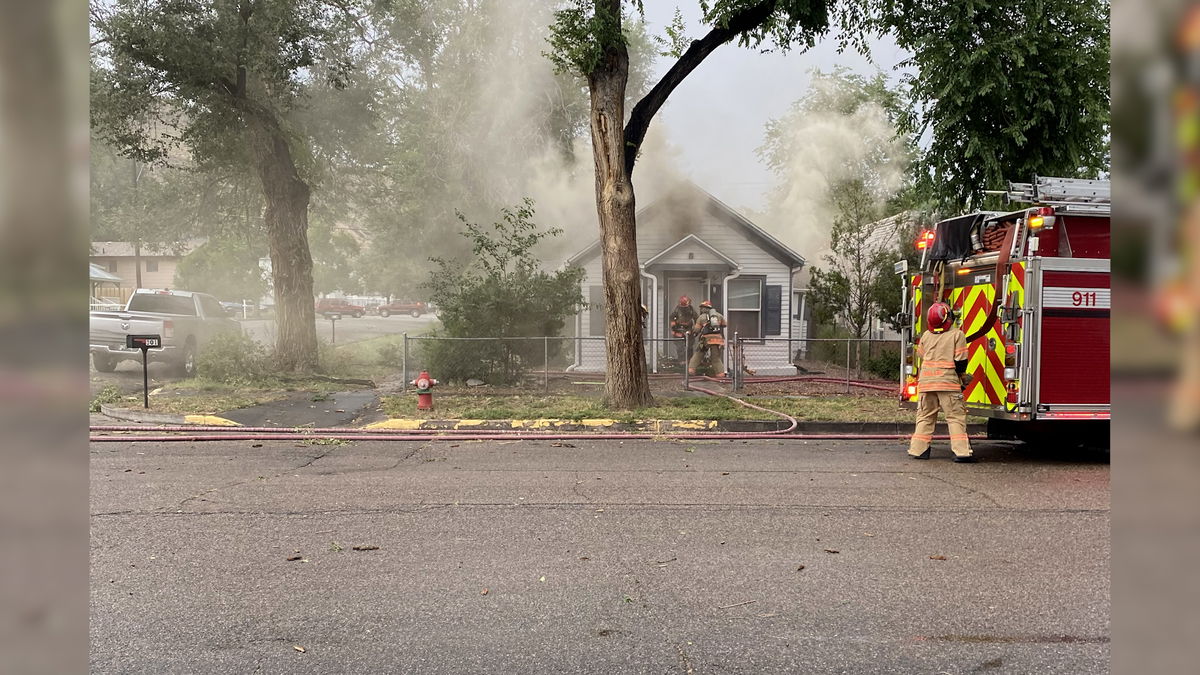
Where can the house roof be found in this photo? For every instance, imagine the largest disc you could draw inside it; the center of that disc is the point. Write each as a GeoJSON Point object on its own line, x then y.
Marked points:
{"type": "Point", "coordinates": [97, 273]}
{"type": "Point", "coordinates": [690, 239]}
{"type": "Point", "coordinates": [124, 249]}
{"type": "Point", "coordinates": [723, 212]}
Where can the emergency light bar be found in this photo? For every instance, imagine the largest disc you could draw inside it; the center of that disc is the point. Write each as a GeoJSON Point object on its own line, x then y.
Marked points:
{"type": "Point", "coordinates": [925, 240]}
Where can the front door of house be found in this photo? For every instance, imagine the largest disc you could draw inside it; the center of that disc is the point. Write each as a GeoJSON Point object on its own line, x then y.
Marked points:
{"type": "Point", "coordinates": [690, 284]}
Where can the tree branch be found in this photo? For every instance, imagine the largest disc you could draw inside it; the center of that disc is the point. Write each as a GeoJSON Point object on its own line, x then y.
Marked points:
{"type": "Point", "coordinates": [644, 111]}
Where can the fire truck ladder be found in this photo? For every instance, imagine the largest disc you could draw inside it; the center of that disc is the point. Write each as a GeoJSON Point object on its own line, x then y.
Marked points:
{"type": "Point", "coordinates": [1068, 194]}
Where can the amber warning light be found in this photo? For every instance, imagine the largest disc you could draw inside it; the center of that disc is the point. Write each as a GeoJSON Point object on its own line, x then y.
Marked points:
{"type": "Point", "coordinates": [925, 240]}
{"type": "Point", "coordinates": [1041, 217]}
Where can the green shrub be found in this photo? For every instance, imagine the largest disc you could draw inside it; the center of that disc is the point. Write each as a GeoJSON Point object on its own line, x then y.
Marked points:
{"type": "Point", "coordinates": [391, 353]}
{"type": "Point", "coordinates": [502, 292]}
{"type": "Point", "coordinates": [335, 362]}
{"type": "Point", "coordinates": [885, 366]}
{"type": "Point", "coordinates": [233, 358]}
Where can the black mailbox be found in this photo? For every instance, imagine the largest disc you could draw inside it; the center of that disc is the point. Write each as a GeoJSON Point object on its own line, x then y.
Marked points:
{"type": "Point", "coordinates": [143, 342]}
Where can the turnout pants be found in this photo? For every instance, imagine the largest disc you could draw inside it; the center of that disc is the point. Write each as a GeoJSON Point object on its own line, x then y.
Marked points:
{"type": "Point", "coordinates": [950, 403]}
{"type": "Point", "coordinates": [710, 355]}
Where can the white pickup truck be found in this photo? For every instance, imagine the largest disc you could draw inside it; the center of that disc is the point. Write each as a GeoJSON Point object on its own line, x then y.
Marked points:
{"type": "Point", "coordinates": [185, 320]}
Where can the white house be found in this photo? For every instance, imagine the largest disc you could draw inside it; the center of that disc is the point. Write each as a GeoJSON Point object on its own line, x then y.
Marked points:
{"type": "Point", "coordinates": [690, 243]}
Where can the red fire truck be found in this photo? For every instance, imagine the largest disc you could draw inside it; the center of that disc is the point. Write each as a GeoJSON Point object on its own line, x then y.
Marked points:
{"type": "Point", "coordinates": [1030, 288]}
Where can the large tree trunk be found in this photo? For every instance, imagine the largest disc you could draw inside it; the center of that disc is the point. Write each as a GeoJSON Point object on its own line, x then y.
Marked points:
{"type": "Point", "coordinates": [287, 236]}
{"type": "Point", "coordinates": [625, 385]}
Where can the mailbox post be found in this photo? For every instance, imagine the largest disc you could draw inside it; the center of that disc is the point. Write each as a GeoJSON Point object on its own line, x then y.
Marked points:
{"type": "Point", "coordinates": [144, 343]}
{"type": "Point", "coordinates": [333, 318]}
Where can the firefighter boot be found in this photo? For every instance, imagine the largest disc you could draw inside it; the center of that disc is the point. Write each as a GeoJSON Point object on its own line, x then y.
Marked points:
{"type": "Point", "coordinates": [922, 438]}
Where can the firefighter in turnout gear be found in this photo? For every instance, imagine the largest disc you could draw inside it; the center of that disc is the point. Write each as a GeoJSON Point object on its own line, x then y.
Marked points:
{"type": "Point", "coordinates": [943, 353]}
{"type": "Point", "coordinates": [710, 342]}
{"type": "Point", "coordinates": [683, 321]}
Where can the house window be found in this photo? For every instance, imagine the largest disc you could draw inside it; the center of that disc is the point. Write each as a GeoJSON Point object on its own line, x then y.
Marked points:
{"type": "Point", "coordinates": [745, 307]}
{"type": "Point", "coordinates": [151, 265]}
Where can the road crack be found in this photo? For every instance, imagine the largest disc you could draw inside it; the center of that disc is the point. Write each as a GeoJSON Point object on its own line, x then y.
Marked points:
{"type": "Point", "coordinates": [971, 490]}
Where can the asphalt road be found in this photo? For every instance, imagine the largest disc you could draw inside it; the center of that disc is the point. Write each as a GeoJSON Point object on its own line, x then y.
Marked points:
{"type": "Point", "coordinates": [639, 557]}
{"type": "Point", "coordinates": [128, 375]}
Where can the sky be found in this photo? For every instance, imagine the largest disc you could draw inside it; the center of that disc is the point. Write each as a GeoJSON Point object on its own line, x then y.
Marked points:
{"type": "Point", "coordinates": [716, 118]}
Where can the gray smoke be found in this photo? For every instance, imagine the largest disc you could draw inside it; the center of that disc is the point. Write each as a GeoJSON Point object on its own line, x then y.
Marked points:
{"type": "Point", "coordinates": [826, 148]}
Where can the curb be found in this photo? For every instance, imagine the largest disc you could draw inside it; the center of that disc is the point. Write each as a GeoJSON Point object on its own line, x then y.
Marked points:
{"type": "Point", "coordinates": [655, 426]}
{"type": "Point", "coordinates": [132, 415]}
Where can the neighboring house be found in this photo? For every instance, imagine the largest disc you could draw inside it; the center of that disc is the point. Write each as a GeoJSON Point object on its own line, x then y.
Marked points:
{"type": "Point", "coordinates": [690, 243]}
{"type": "Point", "coordinates": [103, 284]}
{"type": "Point", "coordinates": [146, 266]}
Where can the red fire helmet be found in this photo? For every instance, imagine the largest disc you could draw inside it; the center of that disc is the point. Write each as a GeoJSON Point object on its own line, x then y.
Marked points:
{"type": "Point", "coordinates": [684, 301]}
{"type": "Point", "coordinates": [938, 317]}
{"type": "Point", "coordinates": [707, 304]}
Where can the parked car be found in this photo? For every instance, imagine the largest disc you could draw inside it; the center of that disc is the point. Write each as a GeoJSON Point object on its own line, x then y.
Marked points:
{"type": "Point", "coordinates": [183, 319]}
{"type": "Point", "coordinates": [330, 306]}
{"type": "Point", "coordinates": [239, 309]}
{"type": "Point", "coordinates": [403, 307]}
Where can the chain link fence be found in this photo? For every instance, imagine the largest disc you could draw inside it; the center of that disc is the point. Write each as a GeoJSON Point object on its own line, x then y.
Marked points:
{"type": "Point", "coordinates": [524, 359]}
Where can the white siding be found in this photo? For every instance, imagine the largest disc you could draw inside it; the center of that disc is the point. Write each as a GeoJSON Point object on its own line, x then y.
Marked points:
{"type": "Point", "coordinates": [733, 244]}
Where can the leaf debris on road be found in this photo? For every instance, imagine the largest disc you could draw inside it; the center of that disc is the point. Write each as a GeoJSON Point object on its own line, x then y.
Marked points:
{"type": "Point", "coordinates": [366, 548]}
{"type": "Point", "coordinates": [832, 550]}
{"type": "Point", "coordinates": [937, 557]}
{"type": "Point", "coordinates": [299, 648]}
{"type": "Point", "coordinates": [737, 604]}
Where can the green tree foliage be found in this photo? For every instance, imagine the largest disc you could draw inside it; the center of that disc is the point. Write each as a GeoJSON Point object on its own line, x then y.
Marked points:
{"type": "Point", "coordinates": [226, 268]}
{"type": "Point", "coordinates": [841, 291]}
{"type": "Point", "coordinates": [1004, 90]}
{"type": "Point", "coordinates": [270, 88]}
{"type": "Point", "coordinates": [500, 292]}
{"type": "Point", "coordinates": [335, 259]}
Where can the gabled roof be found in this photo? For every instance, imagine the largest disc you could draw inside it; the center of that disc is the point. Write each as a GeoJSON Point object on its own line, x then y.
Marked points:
{"type": "Point", "coordinates": [691, 238]}
{"type": "Point", "coordinates": [724, 213]}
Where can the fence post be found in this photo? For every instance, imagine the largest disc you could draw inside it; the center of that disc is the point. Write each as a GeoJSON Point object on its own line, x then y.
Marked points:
{"type": "Point", "coordinates": [404, 367]}
{"type": "Point", "coordinates": [847, 365]}
{"type": "Point", "coordinates": [546, 364]}
{"type": "Point", "coordinates": [734, 359]}
{"type": "Point", "coordinates": [687, 351]}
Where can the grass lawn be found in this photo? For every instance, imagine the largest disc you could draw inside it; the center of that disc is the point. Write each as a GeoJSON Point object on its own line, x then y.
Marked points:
{"type": "Point", "coordinates": [200, 395]}
{"type": "Point", "coordinates": [822, 408]}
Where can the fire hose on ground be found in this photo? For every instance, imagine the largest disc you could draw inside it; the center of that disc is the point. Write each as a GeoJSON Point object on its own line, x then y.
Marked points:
{"type": "Point", "coordinates": [194, 433]}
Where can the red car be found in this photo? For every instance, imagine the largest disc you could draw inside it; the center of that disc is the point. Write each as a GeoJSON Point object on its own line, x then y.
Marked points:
{"type": "Point", "coordinates": [328, 306]}
{"type": "Point", "coordinates": [413, 309]}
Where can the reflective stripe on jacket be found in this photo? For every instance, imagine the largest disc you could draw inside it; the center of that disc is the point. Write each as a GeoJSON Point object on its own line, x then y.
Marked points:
{"type": "Point", "coordinates": [938, 352]}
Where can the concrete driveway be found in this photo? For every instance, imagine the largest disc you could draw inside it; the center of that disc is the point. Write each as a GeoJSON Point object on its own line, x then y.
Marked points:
{"type": "Point", "coordinates": [552, 557]}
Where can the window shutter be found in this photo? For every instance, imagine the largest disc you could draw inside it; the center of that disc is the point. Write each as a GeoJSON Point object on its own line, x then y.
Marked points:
{"type": "Point", "coordinates": [773, 310]}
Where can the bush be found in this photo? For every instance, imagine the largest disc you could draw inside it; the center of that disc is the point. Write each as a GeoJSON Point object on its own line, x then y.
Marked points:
{"type": "Point", "coordinates": [390, 354]}
{"type": "Point", "coordinates": [233, 358]}
{"type": "Point", "coordinates": [885, 366]}
{"type": "Point", "coordinates": [501, 293]}
{"type": "Point", "coordinates": [335, 362]}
